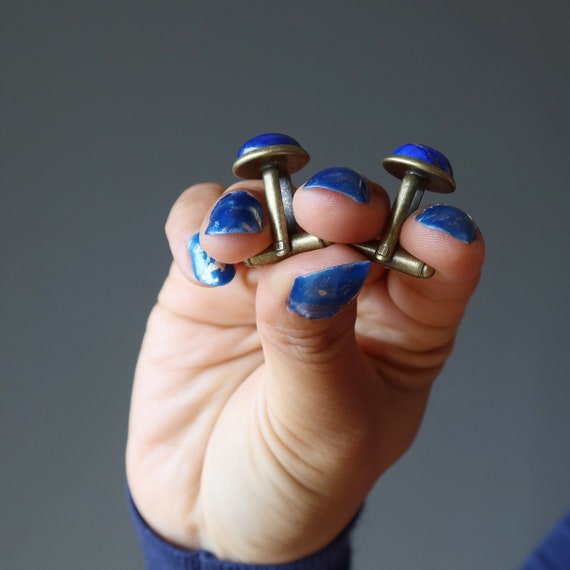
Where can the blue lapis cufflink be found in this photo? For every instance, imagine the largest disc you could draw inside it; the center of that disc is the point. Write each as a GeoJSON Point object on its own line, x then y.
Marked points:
{"type": "Point", "coordinates": [420, 168]}
{"type": "Point", "coordinates": [273, 157]}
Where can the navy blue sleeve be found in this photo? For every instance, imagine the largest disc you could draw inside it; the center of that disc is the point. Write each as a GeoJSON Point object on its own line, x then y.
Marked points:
{"type": "Point", "coordinates": [160, 555]}
{"type": "Point", "coordinates": [554, 552]}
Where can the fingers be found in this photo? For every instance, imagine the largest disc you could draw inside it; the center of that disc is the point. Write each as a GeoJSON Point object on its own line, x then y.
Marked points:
{"type": "Point", "coordinates": [316, 378]}
{"type": "Point", "coordinates": [184, 221]}
{"type": "Point", "coordinates": [447, 239]}
{"type": "Point", "coordinates": [237, 225]}
{"type": "Point", "coordinates": [342, 206]}
{"type": "Point", "coordinates": [210, 229]}
{"type": "Point", "coordinates": [306, 311]}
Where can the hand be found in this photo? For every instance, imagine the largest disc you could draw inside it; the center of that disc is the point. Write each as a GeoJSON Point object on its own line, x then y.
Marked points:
{"type": "Point", "coordinates": [264, 411]}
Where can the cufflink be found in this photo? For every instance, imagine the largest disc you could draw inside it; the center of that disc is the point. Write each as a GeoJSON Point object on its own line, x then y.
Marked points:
{"type": "Point", "coordinates": [273, 157]}
{"type": "Point", "coordinates": [420, 168]}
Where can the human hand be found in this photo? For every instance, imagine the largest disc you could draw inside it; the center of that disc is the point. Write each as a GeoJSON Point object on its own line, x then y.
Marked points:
{"type": "Point", "coordinates": [264, 411]}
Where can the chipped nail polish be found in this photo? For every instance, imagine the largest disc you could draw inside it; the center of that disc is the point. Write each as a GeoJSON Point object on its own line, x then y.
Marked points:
{"type": "Point", "coordinates": [206, 269]}
{"type": "Point", "coordinates": [323, 294]}
{"type": "Point", "coordinates": [237, 212]}
{"type": "Point", "coordinates": [449, 220]}
{"type": "Point", "coordinates": [343, 180]}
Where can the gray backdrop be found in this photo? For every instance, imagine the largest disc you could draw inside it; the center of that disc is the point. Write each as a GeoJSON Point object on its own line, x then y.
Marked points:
{"type": "Point", "coordinates": [110, 109]}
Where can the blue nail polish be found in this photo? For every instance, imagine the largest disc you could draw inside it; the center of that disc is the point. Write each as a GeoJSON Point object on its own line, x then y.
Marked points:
{"type": "Point", "coordinates": [206, 269]}
{"type": "Point", "coordinates": [237, 212]}
{"type": "Point", "coordinates": [426, 154]}
{"type": "Point", "coordinates": [323, 294]}
{"type": "Point", "coordinates": [343, 180]}
{"type": "Point", "coordinates": [449, 220]}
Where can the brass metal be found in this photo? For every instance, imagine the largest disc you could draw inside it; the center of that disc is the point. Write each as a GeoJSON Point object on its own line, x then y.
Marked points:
{"type": "Point", "coordinates": [406, 263]}
{"type": "Point", "coordinates": [275, 206]}
{"type": "Point", "coordinates": [292, 158]}
{"type": "Point", "coordinates": [401, 260]}
{"type": "Point", "coordinates": [417, 176]}
{"type": "Point", "coordinates": [398, 214]}
{"type": "Point", "coordinates": [435, 179]}
{"type": "Point", "coordinates": [299, 243]}
{"type": "Point", "coordinates": [287, 190]}
{"type": "Point", "coordinates": [274, 164]}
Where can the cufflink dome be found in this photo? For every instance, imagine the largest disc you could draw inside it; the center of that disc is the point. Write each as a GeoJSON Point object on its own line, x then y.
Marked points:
{"type": "Point", "coordinates": [269, 149]}
{"type": "Point", "coordinates": [425, 161]}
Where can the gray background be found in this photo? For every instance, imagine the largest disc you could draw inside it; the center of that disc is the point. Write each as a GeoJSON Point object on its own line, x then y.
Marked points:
{"type": "Point", "coordinates": [110, 109]}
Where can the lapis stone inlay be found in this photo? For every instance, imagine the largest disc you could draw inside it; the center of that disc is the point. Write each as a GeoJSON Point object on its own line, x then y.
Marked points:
{"type": "Point", "coordinates": [427, 154]}
{"type": "Point", "coordinates": [265, 140]}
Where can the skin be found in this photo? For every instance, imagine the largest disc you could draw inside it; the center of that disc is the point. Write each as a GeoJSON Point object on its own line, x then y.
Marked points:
{"type": "Point", "coordinates": [256, 433]}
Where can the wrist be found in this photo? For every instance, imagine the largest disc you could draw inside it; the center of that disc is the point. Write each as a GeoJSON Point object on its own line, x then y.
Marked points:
{"type": "Point", "coordinates": [160, 554]}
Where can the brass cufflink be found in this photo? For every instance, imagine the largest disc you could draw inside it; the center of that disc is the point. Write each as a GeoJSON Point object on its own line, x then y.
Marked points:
{"type": "Point", "coordinates": [420, 168]}
{"type": "Point", "coordinates": [273, 157]}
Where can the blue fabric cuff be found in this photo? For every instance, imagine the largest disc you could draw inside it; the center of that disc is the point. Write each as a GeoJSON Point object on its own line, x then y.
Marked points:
{"type": "Point", "coordinates": [161, 555]}
{"type": "Point", "coordinates": [554, 552]}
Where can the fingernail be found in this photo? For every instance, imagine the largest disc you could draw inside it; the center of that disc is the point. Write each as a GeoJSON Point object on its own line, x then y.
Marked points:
{"type": "Point", "coordinates": [323, 294]}
{"type": "Point", "coordinates": [449, 220]}
{"type": "Point", "coordinates": [237, 212]}
{"type": "Point", "coordinates": [343, 180]}
{"type": "Point", "coordinates": [206, 269]}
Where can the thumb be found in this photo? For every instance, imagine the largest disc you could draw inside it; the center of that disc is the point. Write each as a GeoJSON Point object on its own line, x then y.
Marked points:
{"type": "Point", "coordinates": [317, 379]}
